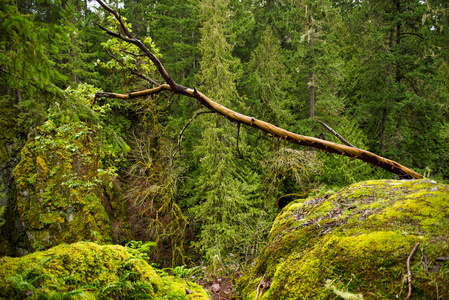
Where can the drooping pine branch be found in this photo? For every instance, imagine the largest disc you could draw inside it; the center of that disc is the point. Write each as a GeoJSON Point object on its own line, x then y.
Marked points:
{"type": "Point", "coordinates": [233, 116]}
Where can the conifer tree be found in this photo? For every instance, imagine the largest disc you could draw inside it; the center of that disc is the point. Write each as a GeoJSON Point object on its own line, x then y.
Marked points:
{"type": "Point", "coordinates": [175, 29]}
{"type": "Point", "coordinates": [391, 80]}
{"type": "Point", "coordinates": [225, 184]}
{"type": "Point", "coordinates": [267, 81]}
{"type": "Point", "coordinates": [315, 59]}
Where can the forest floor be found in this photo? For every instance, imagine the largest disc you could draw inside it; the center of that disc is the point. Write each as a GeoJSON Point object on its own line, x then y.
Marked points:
{"type": "Point", "coordinates": [221, 288]}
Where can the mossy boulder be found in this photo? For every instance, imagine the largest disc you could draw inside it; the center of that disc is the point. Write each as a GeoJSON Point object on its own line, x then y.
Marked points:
{"type": "Point", "coordinates": [59, 188]}
{"type": "Point", "coordinates": [354, 244]}
{"type": "Point", "coordinates": [86, 270]}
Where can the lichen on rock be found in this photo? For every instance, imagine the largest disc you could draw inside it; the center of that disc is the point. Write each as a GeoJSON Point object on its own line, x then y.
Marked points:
{"type": "Point", "coordinates": [357, 242]}
{"type": "Point", "coordinates": [89, 271]}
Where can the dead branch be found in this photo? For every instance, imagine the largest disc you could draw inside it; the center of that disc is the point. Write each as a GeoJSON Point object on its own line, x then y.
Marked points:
{"type": "Point", "coordinates": [410, 272]}
{"type": "Point", "coordinates": [145, 78]}
{"type": "Point", "coordinates": [143, 93]}
{"type": "Point", "coordinates": [442, 258]}
{"type": "Point", "coordinates": [291, 137]}
{"type": "Point", "coordinates": [261, 284]}
{"type": "Point", "coordinates": [238, 134]}
{"type": "Point", "coordinates": [336, 134]}
{"type": "Point", "coordinates": [185, 127]}
{"type": "Point", "coordinates": [132, 71]}
{"type": "Point", "coordinates": [264, 285]}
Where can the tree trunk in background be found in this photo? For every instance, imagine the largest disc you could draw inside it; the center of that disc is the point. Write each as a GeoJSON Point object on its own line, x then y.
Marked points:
{"type": "Point", "coordinates": [385, 110]}
{"type": "Point", "coordinates": [311, 66]}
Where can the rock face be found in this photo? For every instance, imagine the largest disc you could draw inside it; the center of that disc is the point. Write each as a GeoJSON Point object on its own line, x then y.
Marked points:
{"type": "Point", "coordinates": [86, 270]}
{"type": "Point", "coordinates": [354, 244]}
{"type": "Point", "coordinates": [7, 165]}
{"type": "Point", "coordinates": [59, 189]}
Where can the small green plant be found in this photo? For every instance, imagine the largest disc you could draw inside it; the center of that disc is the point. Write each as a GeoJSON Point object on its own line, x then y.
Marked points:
{"type": "Point", "coordinates": [126, 287]}
{"type": "Point", "coordinates": [183, 271]}
{"type": "Point", "coordinates": [140, 249]}
{"type": "Point", "coordinates": [33, 283]}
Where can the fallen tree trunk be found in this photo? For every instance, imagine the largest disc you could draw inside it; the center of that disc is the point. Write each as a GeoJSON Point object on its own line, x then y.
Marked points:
{"type": "Point", "coordinates": [171, 85]}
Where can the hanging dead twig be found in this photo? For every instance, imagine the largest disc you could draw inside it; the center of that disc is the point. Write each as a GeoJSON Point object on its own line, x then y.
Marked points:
{"type": "Point", "coordinates": [238, 134]}
{"type": "Point", "coordinates": [198, 113]}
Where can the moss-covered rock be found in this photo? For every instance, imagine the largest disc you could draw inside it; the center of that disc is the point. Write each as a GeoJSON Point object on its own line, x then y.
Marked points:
{"type": "Point", "coordinates": [59, 183]}
{"type": "Point", "coordinates": [354, 244]}
{"type": "Point", "coordinates": [89, 271]}
{"type": "Point", "coordinates": [10, 146]}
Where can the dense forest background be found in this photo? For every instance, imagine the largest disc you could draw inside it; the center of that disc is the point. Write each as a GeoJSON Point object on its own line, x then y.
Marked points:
{"type": "Point", "coordinates": [375, 71]}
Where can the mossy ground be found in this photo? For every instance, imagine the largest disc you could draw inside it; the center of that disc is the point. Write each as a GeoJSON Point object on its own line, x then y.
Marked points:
{"type": "Point", "coordinates": [98, 271]}
{"type": "Point", "coordinates": [357, 241]}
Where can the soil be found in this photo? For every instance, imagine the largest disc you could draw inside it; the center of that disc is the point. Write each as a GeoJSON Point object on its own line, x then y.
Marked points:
{"type": "Point", "coordinates": [221, 288]}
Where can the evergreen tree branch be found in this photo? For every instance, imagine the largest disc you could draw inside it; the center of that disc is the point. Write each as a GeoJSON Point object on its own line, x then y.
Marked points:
{"type": "Point", "coordinates": [56, 93]}
{"type": "Point", "coordinates": [344, 150]}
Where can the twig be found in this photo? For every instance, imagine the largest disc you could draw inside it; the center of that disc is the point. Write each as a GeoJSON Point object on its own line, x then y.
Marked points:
{"type": "Point", "coordinates": [145, 78]}
{"type": "Point", "coordinates": [410, 272]}
{"type": "Point", "coordinates": [336, 134]}
{"type": "Point", "coordinates": [424, 260]}
{"type": "Point", "coordinates": [238, 133]}
{"type": "Point", "coordinates": [259, 286]}
{"type": "Point", "coordinates": [185, 127]}
{"type": "Point", "coordinates": [442, 258]}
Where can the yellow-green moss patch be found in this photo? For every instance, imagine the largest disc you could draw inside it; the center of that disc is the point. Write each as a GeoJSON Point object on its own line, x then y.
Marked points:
{"type": "Point", "coordinates": [96, 272]}
{"type": "Point", "coordinates": [60, 187]}
{"type": "Point", "coordinates": [356, 243]}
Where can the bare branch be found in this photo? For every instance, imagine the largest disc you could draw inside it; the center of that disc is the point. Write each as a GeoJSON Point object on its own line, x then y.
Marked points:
{"type": "Point", "coordinates": [145, 77]}
{"type": "Point", "coordinates": [410, 272]}
{"type": "Point", "coordinates": [131, 39]}
{"type": "Point", "coordinates": [336, 134]}
{"type": "Point", "coordinates": [198, 113]}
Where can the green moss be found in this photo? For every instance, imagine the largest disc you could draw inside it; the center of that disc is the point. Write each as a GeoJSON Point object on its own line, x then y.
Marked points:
{"type": "Point", "coordinates": [98, 270]}
{"type": "Point", "coordinates": [356, 242]}
{"type": "Point", "coordinates": [59, 188]}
